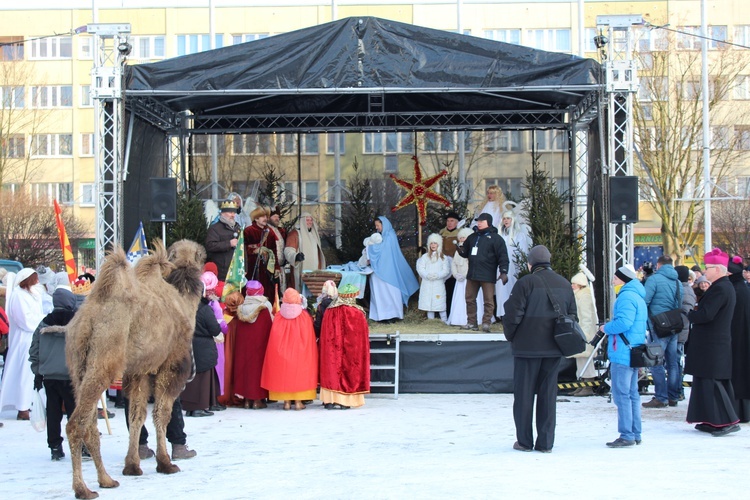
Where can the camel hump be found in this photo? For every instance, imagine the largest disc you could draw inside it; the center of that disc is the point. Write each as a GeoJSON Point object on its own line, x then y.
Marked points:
{"type": "Point", "coordinates": [114, 275]}
{"type": "Point", "coordinates": [155, 265]}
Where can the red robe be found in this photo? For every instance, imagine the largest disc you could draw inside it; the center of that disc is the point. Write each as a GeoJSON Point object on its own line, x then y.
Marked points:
{"type": "Point", "coordinates": [291, 363]}
{"type": "Point", "coordinates": [254, 234]}
{"type": "Point", "coordinates": [345, 351]}
{"type": "Point", "coordinates": [250, 343]}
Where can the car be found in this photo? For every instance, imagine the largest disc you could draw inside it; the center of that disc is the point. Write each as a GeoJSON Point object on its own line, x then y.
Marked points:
{"type": "Point", "coordinates": [12, 266]}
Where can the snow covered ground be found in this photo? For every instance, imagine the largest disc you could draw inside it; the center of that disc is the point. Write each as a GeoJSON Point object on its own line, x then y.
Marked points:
{"type": "Point", "coordinates": [418, 446]}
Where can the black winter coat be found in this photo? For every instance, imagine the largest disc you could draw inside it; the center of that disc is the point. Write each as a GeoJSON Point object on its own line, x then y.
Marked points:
{"type": "Point", "coordinates": [491, 255]}
{"type": "Point", "coordinates": [204, 346]}
{"type": "Point", "coordinates": [529, 319]}
{"type": "Point", "coordinates": [709, 347]}
{"type": "Point", "coordinates": [741, 338]}
{"type": "Point", "coordinates": [218, 249]}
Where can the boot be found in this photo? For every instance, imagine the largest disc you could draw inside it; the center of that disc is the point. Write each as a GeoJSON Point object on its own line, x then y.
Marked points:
{"type": "Point", "coordinates": [145, 452]}
{"type": "Point", "coordinates": [584, 391]}
{"type": "Point", "coordinates": [58, 453]}
{"type": "Point", "coordinates": [181, 451]}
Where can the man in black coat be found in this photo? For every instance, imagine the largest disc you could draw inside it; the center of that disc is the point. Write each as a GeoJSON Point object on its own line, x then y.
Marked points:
{"type": "Point", "coordinates": [529, 324]}
{"type": "Point", "coordinates": [221, 238]}
{"type": "Point", "coordinates": [487, 253]}
{"type": "Point", "coordinates": [709, 352]}
{"type": "Point", "coordinates": [740, 340]}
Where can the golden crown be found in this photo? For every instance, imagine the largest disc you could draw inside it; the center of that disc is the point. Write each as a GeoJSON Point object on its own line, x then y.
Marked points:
{"type": "Point", "coordinates": [81, 287]}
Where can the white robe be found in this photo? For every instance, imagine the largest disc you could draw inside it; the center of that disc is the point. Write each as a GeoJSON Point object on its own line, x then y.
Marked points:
{"type": "Point", "coordinates": [459, 268]}
{"type": "Point", "coordinates": [24, 315]}
{"type": "Point", "coordinates": [432, 291]}
{"type": "Point", "coordinates": [521, 242]}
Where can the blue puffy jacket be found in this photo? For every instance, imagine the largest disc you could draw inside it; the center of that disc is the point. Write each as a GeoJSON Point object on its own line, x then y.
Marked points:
{"type": "Point", "coordinates": [629, 318]}
{"type": "Point", "coordinates": [660, 290]}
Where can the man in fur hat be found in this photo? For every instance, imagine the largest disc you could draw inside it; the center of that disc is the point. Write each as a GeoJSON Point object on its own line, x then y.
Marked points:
{"type": "Point", "coordinates": [264, 252]}
{"type": "Point", "coordinates": [222, 237]}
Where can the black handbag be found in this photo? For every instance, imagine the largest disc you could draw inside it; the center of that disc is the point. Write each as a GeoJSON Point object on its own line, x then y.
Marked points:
{"type": "Point", "coordinates": [645, 355]}
{"type": "Point", "coordinates": [569, 336]}
{"type": "Point", "coordinates": [668, 322]}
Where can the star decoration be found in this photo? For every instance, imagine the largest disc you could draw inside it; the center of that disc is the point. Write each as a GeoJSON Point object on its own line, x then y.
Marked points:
{"type": "Point", "coordinates": [419, 191]}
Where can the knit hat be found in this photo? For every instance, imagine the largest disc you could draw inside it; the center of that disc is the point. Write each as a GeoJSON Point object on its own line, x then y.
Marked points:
{"type": "Point", "coordinates": [702, 279]}
{"type": "Point", "coordinates": [735, 265]}
{"type": "Point", "coordinates": [626, 273]}
{"type": "Point", "coordinates": [485, 217]}
{"type": "Point", "coordinates": [716, 257]}
{"type": "Point", "coordinates": [210, 267]}
{"type": "Point", "coordinates": [254, 287]}
{"type": "Point", "coordinates": [291, 296]}
{"type": "Point", "coordinates": [580, 279]}
{"type": "Point", "coordinates": [539, 255]}
{"type": "Point", "coordinates": [683, 273]}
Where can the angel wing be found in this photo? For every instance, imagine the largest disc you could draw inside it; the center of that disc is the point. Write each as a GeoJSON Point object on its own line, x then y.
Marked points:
{"type": "Point", "coordinates": [210, 211]}
{"type": "Point", "coordinates": [248, 206]}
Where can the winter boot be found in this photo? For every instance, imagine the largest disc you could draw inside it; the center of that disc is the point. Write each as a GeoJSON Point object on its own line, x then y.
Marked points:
{"type": "Point", "coordinates": [58, 453]}
{"type": "Point", "coordinates": [145, 452]}
{"type": "Point", "coordinates": [181, 452]}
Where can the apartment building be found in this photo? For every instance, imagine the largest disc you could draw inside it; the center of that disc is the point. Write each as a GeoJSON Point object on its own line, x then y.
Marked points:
{"type": "Point", "coordinates": [48, 119]}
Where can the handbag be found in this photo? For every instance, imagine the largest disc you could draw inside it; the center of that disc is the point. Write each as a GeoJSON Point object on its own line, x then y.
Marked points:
{"type": "Point", "coordinates": [38, 412]}
{"type": "Point", "coordinates": [668, 322]}
{"type": "Point", "coordinates": [569, 335]}
{"type": "Point", "coordinates": [645, 355]}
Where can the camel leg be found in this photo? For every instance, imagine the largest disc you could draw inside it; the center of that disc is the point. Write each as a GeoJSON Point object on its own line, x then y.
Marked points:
{"type": "Point", "coordinates": [137, 389]}
{"type": "Point", "coordinates": [81, 429]}
{"type": "Point", "coordinates": [165, 392]}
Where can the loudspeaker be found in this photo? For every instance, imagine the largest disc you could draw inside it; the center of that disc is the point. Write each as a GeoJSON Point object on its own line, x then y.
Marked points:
{"type": "Point", "coordinates": [623, 199]}
{"type": "Point", "coordinates": [163, 199]}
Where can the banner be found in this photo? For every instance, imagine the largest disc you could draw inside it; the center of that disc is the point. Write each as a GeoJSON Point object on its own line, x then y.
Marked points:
{"type": "Point", "coordinates": [139, 247]}
{"type": "Point", "coordinates": [67, 250]}
{"type": "Point", "coordinates": [235, 278]}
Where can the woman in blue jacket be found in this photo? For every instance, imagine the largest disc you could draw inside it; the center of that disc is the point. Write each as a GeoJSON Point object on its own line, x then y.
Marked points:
{"type": "Point", "coordinates": [629, 319]}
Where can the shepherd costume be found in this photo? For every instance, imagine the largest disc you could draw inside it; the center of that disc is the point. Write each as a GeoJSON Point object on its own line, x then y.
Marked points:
{"type": "Point", "coordinates": [267, 243]}
{"type": "Point", "coordinates": [344, 352]}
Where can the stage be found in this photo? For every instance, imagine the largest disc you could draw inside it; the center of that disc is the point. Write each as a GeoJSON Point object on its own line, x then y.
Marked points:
{"type": "Point", "coordinates": [450, 363]}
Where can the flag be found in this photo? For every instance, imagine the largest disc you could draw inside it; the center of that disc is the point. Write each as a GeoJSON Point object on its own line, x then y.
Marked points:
{"type": "Point", "coordinates": [70, 262]}
{"type": "Point", "coordinates": [138, 248]}
{"type": "Point", "coordinates": [235, 278]}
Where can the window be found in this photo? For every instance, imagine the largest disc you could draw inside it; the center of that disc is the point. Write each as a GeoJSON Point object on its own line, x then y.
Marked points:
{"type": "Point", "coordinates": [692, 89]}
{"type": "Point", "coordinates": [202, 145]}
{"type": "Point", "coordinates": [12, 97]}
{"type": "Point", "coordinates": [511, 186]}
{"type": "Point", "coordinates": [330, 141]}
{"type": "Point", "coordinates": [52, 145]}
{"type": "Point", "coordinates": [742, 87]}
{"type": "Point", "coordinates": [192, 44]}
{"type": "Point", "coordinates": [286, 144]}
{"type": "Point", "coordinates": [251, 144]}
{"type": "Point", "coordinates": [588, 39]}
{"type": "Point", "coordinates": [507, 36]}
{"type": "Point", "coordinates": [743, 186]}
{"type": "Point", "coordinates": [85, 47]}
{"type": "Point", "coordinates": [57, 47]}
{"type": "Point", "coordinates": [289, 192]}
{"type": "Point", "coordinates": [13, 146]}
{"type": "Point", "coordinates": [502, 140]}
{"type": "Point", "coordinates": [47, 191]}
{"type": "Point", "coordinates": [407, 142]}
{"type": "Point", "coordinates": [331, 191]}
{"type": "Point", "coordinates": [649, 138]}
{"type": "Point", "coordinates": [310, 191]}
{"type": "Point", "coordinates": [388, 142]}
{"type": "Point", "coordinates": [87, 194]}
{"type": "Point", "coordinates": [653, 89]}
{"type": "Point", "coordinates": [650, 40]}
{"type": "Point", "coordinates": [86, 101]}
{"type": "Point", "coordinates": [148, 47]}
{"type": "Point", "coordinates": [11, 48]}
{"type": "Point", "coordinates": [65, 193]}
{"type": "Point", "coordinates": [721, 138]}
{"type": "Point", "coordinates": [87, 145]}
{"type": "Point", "coordinates": [12, 188]}
{"type": "Point", "coordinates": [247, 37]}
{"type": "Point", "coordinates": [52, 96]}
{"type": "Point", "coordinates": [373, 142]}
{"type": "Point", "coordinates": [550, 140]}
{"type": "Point", "coordinates": [310, 144]}
{"type": "Point", "coordinates": [390, 164]}
{"type": "Point", "coordinates": [554, 40]}
{"type": "Point", "coordinates": [742, 34]}
{"type": "Point", "coordinates": [441, 142]}
{"type": "Point", "coordinates": [690, 37]}
{"type": "Point", "coordinates": [562, 184]}
{"type": "Point", "coordinates": [742, 138]}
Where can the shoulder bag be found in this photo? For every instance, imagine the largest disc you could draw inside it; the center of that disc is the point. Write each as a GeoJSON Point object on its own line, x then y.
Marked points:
{"type": "Point", "coordinates": [568, 333]}
{"type": "Point", "coordinates": [645, 355]}
{"type": "Point", "coordinates": [668, 322]}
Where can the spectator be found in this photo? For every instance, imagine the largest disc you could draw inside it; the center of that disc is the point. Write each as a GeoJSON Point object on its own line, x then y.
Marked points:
{"type": "Point", "coordinates": [222, 237]}
{"type": "Point", "coordinates": [433, 267]}
{"type": "Point", "coordinates": [740, 340]}
{"type": "Point", "coordinates": [303, 250]}
{"type": "Point", "coordinates": [709, 352]}
{"type": "Point", "coordinates": [24, 309]}
{"type": "Point", "coordinates": [746, 275]}
{"type": "Point", "coordinates": [529, 325]}
{"type": "Point", "coordinates": [664, 293]}
{"type": "Point", "coordinates": [697, 270]}
{"type": "Point", "coordinates": [688, 304]}
{"type": "Point", "coordinates": [700, 288]}
{"type": "Point", "coordinates": [486, 253]}
{"type": "Point", "coordinates": [629, 319]}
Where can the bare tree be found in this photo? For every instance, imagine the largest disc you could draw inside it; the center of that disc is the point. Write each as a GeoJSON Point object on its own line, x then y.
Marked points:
{"type": "Point", "coordinates": [731, 226]}
{"type": "Point", "coordinates": [669, 135]}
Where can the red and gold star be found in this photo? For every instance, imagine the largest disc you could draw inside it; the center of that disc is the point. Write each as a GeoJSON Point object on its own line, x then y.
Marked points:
{"type": "Point", "coordinates": [419, 191]}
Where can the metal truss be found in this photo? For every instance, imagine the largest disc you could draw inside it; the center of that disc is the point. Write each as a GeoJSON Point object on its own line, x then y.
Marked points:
{"type": "Point", "coordinates": [110, 50]}
{"type": "Point", "coordinates": [580, 185]}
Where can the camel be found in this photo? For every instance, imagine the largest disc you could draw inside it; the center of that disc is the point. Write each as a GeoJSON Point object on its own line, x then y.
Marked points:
{"type": "Point", "coordinates": [139, 322]}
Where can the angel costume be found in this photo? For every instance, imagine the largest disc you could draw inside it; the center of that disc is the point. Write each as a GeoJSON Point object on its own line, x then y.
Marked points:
{"type": "Point", "coordinates": [459, 269]}
{"type": "Point", "coordinates": [434, 268]}
{"type": "Point", "coordinates": [516, 236]}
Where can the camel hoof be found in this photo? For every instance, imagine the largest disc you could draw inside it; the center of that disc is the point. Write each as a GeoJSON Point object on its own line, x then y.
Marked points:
{"type": "Point", "coordinates": [86, 493]}
{"type": "Point", "coordinates": [167, 468]}
{"type": "Point", "coordinates": [109, 484]}
{"type": "Point", "coordinates": [132, 470]}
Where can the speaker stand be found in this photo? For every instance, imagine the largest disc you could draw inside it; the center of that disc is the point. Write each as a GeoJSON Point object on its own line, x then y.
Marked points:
{"type": "Point", "coordinates": [164, 230]}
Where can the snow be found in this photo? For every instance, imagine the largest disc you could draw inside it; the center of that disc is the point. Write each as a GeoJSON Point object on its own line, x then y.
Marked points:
{"type": "Point", "coordinates": [416, 446]}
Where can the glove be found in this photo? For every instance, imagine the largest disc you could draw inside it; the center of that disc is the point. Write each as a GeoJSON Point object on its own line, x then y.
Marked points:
{"type": "Point", "coordinates": [38, 379]}
{"type": "Point", "coordinates": [432, 276]}
{"type": "Point", "coordinates": [597, 338]}
{"type": "Point", "coordinates": [216, 308]}
{"type": "Point", "coordinates": [300, 257]}
{"type": "Point", "coordinates": [460, 278]}
{"type": "Point", "coordinates": [219, 339]}
{"type": "Point", "coordinates": [504, 278]}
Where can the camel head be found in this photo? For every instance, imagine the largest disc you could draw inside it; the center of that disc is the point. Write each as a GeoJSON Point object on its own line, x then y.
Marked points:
{"type": "Point", "coordinates": [186, 252]}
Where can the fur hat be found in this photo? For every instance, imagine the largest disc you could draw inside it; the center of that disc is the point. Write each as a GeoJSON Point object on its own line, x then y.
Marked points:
{"type": "Point", "coordinates": [485, 217]}
{"type": "Point", "coordinates": [580, 279]}
{"type": "Point", "coordinates": [435, 238]}
{"type": "Point", "coordinates": [683, 273]}
{"type": "Point", "coordinates": [260, 212]}
{"type": "Point", "coordinates": [464, 232]}
{"type": "Point", "coordinates": [626, 273]}
{"type": "Point", "coordinates": [291, 296]}
{"type": "Point", "coordinates": [229, 206]}
{"type": "Point", "coordinates": [735, 265]}
{"type": "Point", "coordinates": [254, 287]}
{"type": "Point", "coordinates": [539, 255]}
{"type": "Point", "coordinates": [716, 257]}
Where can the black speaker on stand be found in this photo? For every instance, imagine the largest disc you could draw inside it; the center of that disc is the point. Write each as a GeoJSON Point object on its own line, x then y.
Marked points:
{"type": "Point", "coordinates": [163, 202]}
{"type": "Point", "coordinates": [623, 199]}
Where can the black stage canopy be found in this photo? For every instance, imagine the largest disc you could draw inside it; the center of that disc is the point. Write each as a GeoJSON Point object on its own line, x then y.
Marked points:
{"type": "Point", "coordinates": [365, 74]}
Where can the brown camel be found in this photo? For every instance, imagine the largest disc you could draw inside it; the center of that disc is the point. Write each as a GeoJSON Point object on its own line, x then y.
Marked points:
{"type": "Point", "coordinates": [138, 322]}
